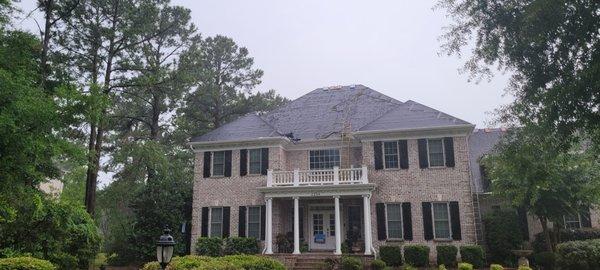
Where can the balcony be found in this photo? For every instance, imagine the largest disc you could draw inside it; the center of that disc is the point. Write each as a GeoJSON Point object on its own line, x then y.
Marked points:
{"type": "Point", "coordinates": [302, 178]}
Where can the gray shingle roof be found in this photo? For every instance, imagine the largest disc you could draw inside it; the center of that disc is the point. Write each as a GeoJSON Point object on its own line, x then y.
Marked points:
{"type": "Point", "coordinates": [481, 142]}
{"type": "Point", "coordinates": [326, 112]}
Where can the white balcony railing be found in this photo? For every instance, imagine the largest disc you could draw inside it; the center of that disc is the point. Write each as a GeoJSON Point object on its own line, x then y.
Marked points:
{"type": "Point", "coordinates": [335, 176]}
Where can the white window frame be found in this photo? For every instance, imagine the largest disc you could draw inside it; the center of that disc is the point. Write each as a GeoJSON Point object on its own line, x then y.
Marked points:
{"type": "Point", "coordinates": [336, 149]}
{"type": "Point", "coordinates": [449, 221]}
{"type": "Point", "coordinates": [578, 221]}
{"type": "Point", "coordinates": [210, 221]}
{"type": "Point", "coordinates": [387, 224]}
{"type": "Point", "coordinates": [397, 155]}
{"type": "Point", "coordinates": [260, 161]}
{"type": "Point", "coordinates": [212, 164]}
{"type": "Point", "coordinates": [443, 154]}
{"type": "Point", "coordinates": [259, 220]}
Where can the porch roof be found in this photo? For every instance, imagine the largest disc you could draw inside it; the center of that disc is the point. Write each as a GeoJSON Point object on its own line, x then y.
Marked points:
{"type": "Point", "coordinates": [317, 191]}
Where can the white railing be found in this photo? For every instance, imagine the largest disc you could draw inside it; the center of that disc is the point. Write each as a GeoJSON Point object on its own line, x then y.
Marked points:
{"type": "Point", "coordinates": [335, 176]}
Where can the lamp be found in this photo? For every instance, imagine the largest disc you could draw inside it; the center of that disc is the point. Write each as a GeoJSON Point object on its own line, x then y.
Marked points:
{"type": "Point", "coordinates": [164, 248]}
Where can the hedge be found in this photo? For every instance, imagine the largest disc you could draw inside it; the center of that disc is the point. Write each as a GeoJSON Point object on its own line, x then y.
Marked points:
{"type": "Point", "coordinates": [446, 255]}
{"type": "Point", "coordinates": [391, 255]}
{"type": "Point", "coordinates": [351, 263]}
{"type": "Point", "coordinates": [496, 267]}
{"type": "Point", "coordinates": [465, 266]}
{"type": "Point", "coordinates": [25, 263]}
{"type": "Point", "coordinates": [473, 254]}
{"type": "Point", "coordinates": [240, 245]}
{"type": "Point", "coordinates": [209, 246]}
{"type": "Point", "coordinates": [502, 234]}
{"type": "Point", "coordinates": [416, 255]}
{"type": "Point", "coordinates": [582, 255]}
{"type": "Point", "coordinates": [234, 262]}
{"type": "Point", "coordinates": [579, 234]}
{"type": "Point", "coordinates": [378, 264]}
{"type": "Point", "coordinates": [547, 260]}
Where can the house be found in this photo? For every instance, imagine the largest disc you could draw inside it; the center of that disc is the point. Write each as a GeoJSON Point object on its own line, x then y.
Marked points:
{"type": "Point", "coordinates": [338, 164]}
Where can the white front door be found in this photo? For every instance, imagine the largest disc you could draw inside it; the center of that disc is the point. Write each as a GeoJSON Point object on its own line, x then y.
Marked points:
{"type": "Point", "coordinates": [322, 230]}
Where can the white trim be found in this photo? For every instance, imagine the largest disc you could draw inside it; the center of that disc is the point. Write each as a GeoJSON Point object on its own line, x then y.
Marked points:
{"type": "Point", "coordinates": [317, 191]}
{"type": "Point", "coordinates": [443, 153]}
{"type": "Point", "coordinates": [387, 224]}
{"type": "Point", "coordinates": [449, 221]}
{"type": "Point", "coordinates": [414, 133]}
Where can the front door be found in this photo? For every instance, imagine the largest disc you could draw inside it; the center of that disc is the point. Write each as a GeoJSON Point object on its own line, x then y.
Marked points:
{"type": "Point", "coordinates": [322, 230]}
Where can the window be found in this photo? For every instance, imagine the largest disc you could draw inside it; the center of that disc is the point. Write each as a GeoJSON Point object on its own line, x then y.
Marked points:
{"type": "Point", "coordinates": [394, 220]}
{"type": "Point", "coordinates": [441, 221]}
{"type": "Point", "coordinates": [218, 163]}
{"type": "Point", "coordinates": [572, 221]}
{"type": "Point", "coordinates": [324, 159]}
{"type": "Point", "coordinates": [390, 155]}
{"type": "Point", "coordinates": [331, 225]}
{"type": "Point", "coordinates": [216, 222]}
{"type": "Point", "coordinates": [435, 148]}
{"type": "Point", "coordinates": [255, 161]}
{"type": "Point", "coordinates": [254, 222]}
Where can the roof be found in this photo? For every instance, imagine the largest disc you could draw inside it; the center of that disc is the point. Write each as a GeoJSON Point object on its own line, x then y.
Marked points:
{"type": "Point", "coordinates": [482, 142]}
{"type": "Point", "coordinates": [325, 113]}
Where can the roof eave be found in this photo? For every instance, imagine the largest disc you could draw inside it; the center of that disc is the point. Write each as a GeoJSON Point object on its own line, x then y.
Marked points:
{"type": "Point", "coordinates": [410, 133]}
{"type": "Point", "coordinates": [212, 145]}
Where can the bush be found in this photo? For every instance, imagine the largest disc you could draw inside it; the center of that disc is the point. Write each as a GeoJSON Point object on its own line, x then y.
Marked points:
{"type": "Point", "coordinates": [502, 234]}
{"type": "Point", "coordinates": [189, 262]}
{"type": "Point", "coordinates": [442, 267]}
{"type": "Point", "coordinates": [234, 262]}
{"type": "Point", "coordinates": [582, 255]}
{"type": "Point", "coordinates": [391, 255]}
{"type": "Point", "coordinates": [351, 263]}
{"type": "Point", "coordinates": [416, 255]}
{"type": "Point", "coordinates": [496, 267]}
{"type": "Point", "coordinates": [546, 260]}
{"type": "Point", "coordinates": [465, 266]}
{"type": "Point", "coordinates": [25, 263]}
{"type": "Point", "coordinates": [209, 246]}
{"type": "Point", "coordinates": [446, 255]}
{"type": "Point", "coordinates": [240, 245]}
{"type": "Point", "coordinates": [408, 267]}
{"type": "Point", "coordinates": [473, 254]}
{"type": "Point", "coordinates": [579, 234]}
{"type": "Point", "coordinates": [151, 266]}
{"type": "Point", "coordinates": [252, 262]}
{"type": "Point", "coordinates": [378, 264]}
{"type": "Point", "coordinates": [524, 268]}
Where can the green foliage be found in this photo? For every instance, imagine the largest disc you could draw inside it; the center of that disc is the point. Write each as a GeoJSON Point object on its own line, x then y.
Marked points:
{"type": "Point", "coordinates": [151, 266]}
{"type": "Point", "coordinates": [209, 246]}
{"type": "Point", "coordinates": [446, 255]}
{"type": "Point", "coordinates": [581, 255]}
{"type": "Point", "coordinates": [579, 234]}
{"type": "Point", "coordinates": [240, 245]}
{"type": "Point", "coordinates": [391, 255]}
{"type": "Point", "coordinates": [546, 260]}
{"type": "Point", "coordinates": [234, 262]}
{"type": "Point", "coordinates": [441, 267]}
{"type": "Point", "coordinates": [473, 254]}
{"type": "Point", "coordinates": [524, 268]}
{"type": "Point", "coordinates": [252, 262]}
{"type": "Point", "coordinates": [408, 267]}
{"type": "Point", "coordinates": [378, 264]}
{"type": "Point", "coordinates": [502, 234]}
{"type": "Point", "coordinates": [465, 266]}
{"type": "Point", "coordinates": [25, 263]}
{"type": "Point", "coordinates": [416, 255]}
{"type": "Point", "coordinates": [496, 267]}
{"type": "Point", "coordinates": [351, 263]}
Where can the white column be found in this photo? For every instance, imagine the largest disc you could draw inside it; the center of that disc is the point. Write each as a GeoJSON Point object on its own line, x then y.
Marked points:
{"type": "Point", "coordinates": [338, 226]}
{"type": "Point", "coordinates": [269, 178]}
{"type": "Point", "coordinates": [367, 218]}
{"type": "Point", "coordinates": [269, 226]}
{"type": "Point", "coordinates": [296, 226]}
{"type": "Point", "coordinates": [296, 177]}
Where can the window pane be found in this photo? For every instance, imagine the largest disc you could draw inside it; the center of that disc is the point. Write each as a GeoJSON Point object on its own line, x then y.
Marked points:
{"type": "Point", "coordinates": [255, 160]}
{"type": "Point", "coordinates": [390, 154]}
{"type": "Point", "coordinates": [218, 163]}
{"type": "Point", "coordinates": [442, 229]}
{"type": "Point", "coordinates": [394, 212]}
{"type": "Point", "coordinates": [254, 230]}
{"type": "Point", "coordinates": [572, 221]}
{"type": "Point", "coordinates": [436, 152]}
{"type": "Point", "coordinates": [216, 219]}
{"type": "Point", "coordinates": [441, 220]}
{"type": "Point", "coordinates": [395, 229]}
{"type": "Point", "coordinates": [394, 220]}
{"type": "Point", "coordinates": [324, 159]}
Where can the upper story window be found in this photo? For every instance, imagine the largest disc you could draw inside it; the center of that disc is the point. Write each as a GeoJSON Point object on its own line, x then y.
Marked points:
{"type": "Point", "coordinates": [394, 220]}
{"type": "Point", "coordinates": [218, 163]}
{"type": "Point", "coordinates": [255, 161]}
{"type": "Point", "coordinates": [216, 222]}
{"type": "Point", "coordinates": [572, 221]}
{"type": "Point", "coordinates": [435, 150]}
{"type": "Point", "coordinates": [441, 220]}
{"type": "Point", "coordinates": [324, 159]}
{"type": "Point", "coordinates": [390, 155]}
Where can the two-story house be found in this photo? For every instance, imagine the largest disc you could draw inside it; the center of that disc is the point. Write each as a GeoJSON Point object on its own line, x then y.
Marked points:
{"type": "Point", "coordinates": [336, 163]}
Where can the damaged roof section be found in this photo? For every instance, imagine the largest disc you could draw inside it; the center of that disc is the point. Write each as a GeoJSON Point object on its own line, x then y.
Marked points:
{"type": "Point", "coordinates": [326, 113]}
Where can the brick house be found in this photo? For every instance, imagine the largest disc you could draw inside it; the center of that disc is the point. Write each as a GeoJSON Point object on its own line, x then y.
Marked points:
{"type": "Point", "coordinates": [337, 164]}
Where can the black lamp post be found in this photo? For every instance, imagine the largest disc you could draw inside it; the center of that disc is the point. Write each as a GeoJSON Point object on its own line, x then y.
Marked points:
{"type": "Point", "coordinates": [164, 248]}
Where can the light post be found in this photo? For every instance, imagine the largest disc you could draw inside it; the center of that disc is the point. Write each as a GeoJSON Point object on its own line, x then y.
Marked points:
{"type": "Point", "coordinates": [164, 248]}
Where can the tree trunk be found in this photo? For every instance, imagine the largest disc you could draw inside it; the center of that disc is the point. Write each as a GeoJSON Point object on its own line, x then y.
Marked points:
{"type": "Point", "coordinates": [546, 232]}
{"type": "Point", "coordinates": [48, 6]}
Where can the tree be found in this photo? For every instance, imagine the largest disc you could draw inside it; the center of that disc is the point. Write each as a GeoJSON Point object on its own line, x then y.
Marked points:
{"type": "Point", "coordinates": [552, 50]}
{"type": "Point", "coordinates": [529, 170]}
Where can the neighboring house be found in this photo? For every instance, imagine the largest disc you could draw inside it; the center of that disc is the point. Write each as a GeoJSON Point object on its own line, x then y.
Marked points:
{"type": "Point", "coordinates": [337, 162]}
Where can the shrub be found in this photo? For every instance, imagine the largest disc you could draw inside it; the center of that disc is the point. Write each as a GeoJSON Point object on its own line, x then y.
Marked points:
{"type": "Point", "coordinates": [240, 245]}
{"type": "Point", "coordinates": [446, 255]}
{"type": "Point", "coordinates": [408, 267]}
{"type": "Point", "coordinates": [189, 262]}
{"type": "Point", "coordinates": [416, 255]}
{"type": "Point", "coordinates": [209, 246]}
{"type": "Point", "coordinates": [351, 263]}
{"type": "Point", "coordinates": [378, 264]}
{"type": "Point", "coordinates": [473, 255]}
{"type": "Point", "coordinates": [234, 262]}
{"type": "Point", "coordinates": [465, 266]}
{"type": "Point", "coordinates": [25, 263]}
{"type": "Point", "coordinates": [582, 255]}
{"type": "Point", "coordinates": [496, 267]}
{"type": "Point", "coordinates": [391, 255]}
{"type": "Point", "coordinates": [442, 267]}
{"type": "Point", "coordinates": [151, 266]}
{"type": "Point", "coordinates": [252, 262]}
{"type": "Point", "coordinates": [524, 268]}
{"type": "Point", "coordinates": [502, 234]}
{"type": "Point", "coordinates": [547, 260]}
{"type": "Point", "coordinates": [579, 234]}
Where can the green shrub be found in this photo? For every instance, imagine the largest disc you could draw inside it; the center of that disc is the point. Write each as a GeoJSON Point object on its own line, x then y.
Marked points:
{"type": "Point", "coordinates": [546, 260]}
{"type": "Point", "coordinates": [378, 264]}
{"type": "Point", "coordinates": [240, 245]}
{"type": "Point", "coordinates": [25, 263]}
{"type": "Point", "coordinates": [209, 246]}
{"type": "Point", "coordinates": [189, 262]}
{"type": "Point", "coordinates": [351, 263]}
{"type": "Point", "coordinates": [465, 266]}
{"type": "Point", "coordinates": [473, 254]}
{"type": "Point", "coordinates": [502, 234]}
{"type": "Point", "coordinates": [446, 255]}
{"type": "Point", "coordinates": [416, 255]}
{"type": "Point", "coordinates": [233, 262]}
{"type": "Point", "coordinates": [524, 268]}
{"type": "Point", "coordinates": [579, 234]}
{"type": "Point", "coordinates": [408, 267]}
{"type": "Point", "coordinates": [496, 267]}
{"type": "Point", "coordinates": [391, 255]}
{"type": "Point", "coordinates": [581, 255]}
{"type": "Point", "coordinates": [151, 266]}
{"type": "Point", "coordinates": [442, 267]}
{"type": "Point", "coordinates": [252, 262]}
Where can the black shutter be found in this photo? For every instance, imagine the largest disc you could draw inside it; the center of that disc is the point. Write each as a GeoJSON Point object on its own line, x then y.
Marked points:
{"type": "Point", "coordinates": [301, 223]}
{"type": "Point", "coordinates": [263, 222]}
{"type": "Point", "coordinates": [243, 162]}
{"type": "Point", "coordinates": [204, 222]}
{"type": "Point", "coordinates": [427, 221]}
{"type": "Point", "coordinates": [423, 159]}
{"type": "Point", "coordinates": [381, 226]}
{"type": "Point", "coordinates": [586, 221]}
{"type": "Point", "coordinates": [226, 221]}
{"type": "Point", "coordinates": [523, 224]}
{"type": "Point", "coordinates": [378, 155]}
{"type": "Point", "coordinates": [455, 221]}
{"type": "Point", "coordinates": [403, 149]}
{"type": "Point", "coordinates": [264, 164]}
{"type": "Point", "coordinates": [228, 163]}
{"type": "Point", "coordinates": [449, 150]}
{"type": "Point", "coordinates": [407, 221]}
{"type": "Point", "coordinates": [242, 221]}
{"type": "Point", "coordinates": [206, 169]}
